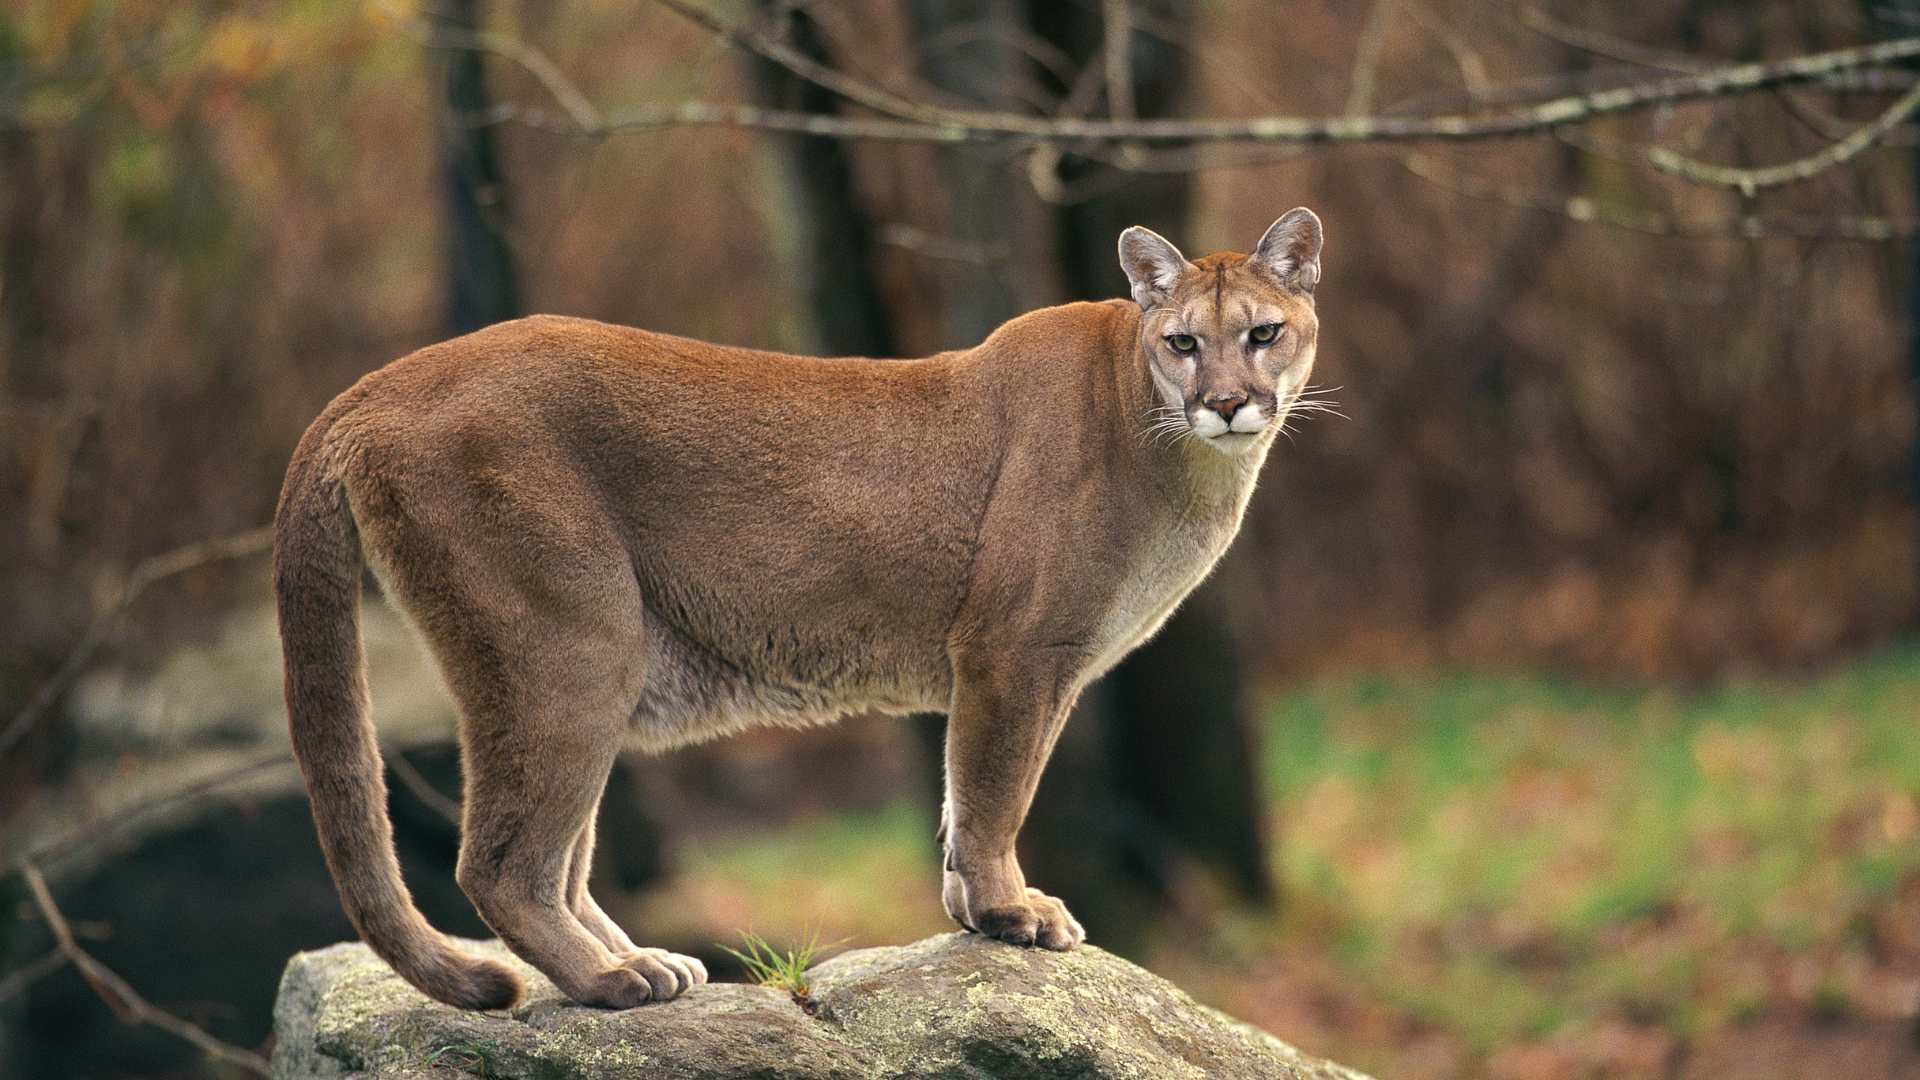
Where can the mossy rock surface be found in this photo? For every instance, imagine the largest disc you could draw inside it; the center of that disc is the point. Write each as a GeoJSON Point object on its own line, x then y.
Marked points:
{"type": "Point", "coordinates": [950, 1006]}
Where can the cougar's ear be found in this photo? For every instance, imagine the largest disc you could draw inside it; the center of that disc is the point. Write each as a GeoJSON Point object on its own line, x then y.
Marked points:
{"type": "Point", "coordinates": [1152, 265]}
{"type": "Point", "coordinates": [1291, 249]}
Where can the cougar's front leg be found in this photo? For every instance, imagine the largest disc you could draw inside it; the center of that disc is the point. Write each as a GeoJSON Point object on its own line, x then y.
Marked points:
{"type": "Point", "coordinates": [999, 733]}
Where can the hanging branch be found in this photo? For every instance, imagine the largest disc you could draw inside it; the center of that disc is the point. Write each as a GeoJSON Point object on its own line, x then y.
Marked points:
{"type": "Point", "coordinates": [126, 1003]}
{"type": "Point", "coordinates": [906, 119]}
{"type": "Point", "coordinates": [143, 575]}
{"type": "Point", "coordinates": [1747, 181]}
{"type": "Point", "coordinates": [961, 124]}
{"type": "Point", "coordinates": [1653, 222]}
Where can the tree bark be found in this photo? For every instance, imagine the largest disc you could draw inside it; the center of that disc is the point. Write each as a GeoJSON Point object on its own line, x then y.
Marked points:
{"type": "Point", "coordinates": [482, 287]}
{"type": "Point", "coordinates": [1152, 788]}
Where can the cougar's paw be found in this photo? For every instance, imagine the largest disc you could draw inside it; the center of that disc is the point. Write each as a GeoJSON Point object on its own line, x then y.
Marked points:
{"type": "Point", "coordinates": [644, 975]}
{"type": "Point", "coordinates": [668, 974]}
{"type": "Point", "coordinates": [1042, 921]}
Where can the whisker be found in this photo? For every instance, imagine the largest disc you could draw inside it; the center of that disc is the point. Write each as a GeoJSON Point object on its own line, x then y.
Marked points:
{"type": "Point", "coordinates": [1167, 425]}
{"type": "Point", "coordinates": [1313, 399]}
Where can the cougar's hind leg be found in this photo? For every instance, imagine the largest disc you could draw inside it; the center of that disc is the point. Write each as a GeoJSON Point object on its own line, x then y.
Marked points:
{"type": "Point", "coordinates": [580, 901]}
{"type": "Point", "coordinates": [546, 682]}
{"type": "Point", "coordinates": [530, 794]}
{"type": "Point", "coordinates": [526, 595]}
{"type": "Point", "coordinates": [689, 969]}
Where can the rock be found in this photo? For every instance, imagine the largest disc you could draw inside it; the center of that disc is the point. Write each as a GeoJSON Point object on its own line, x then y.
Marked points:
{"type": "Point", "coordinates": [344, 1013]}
{"type": "Point", "coordinates": [963, 1005]}
{"type": "Point", "coordinates": [951, 1006]}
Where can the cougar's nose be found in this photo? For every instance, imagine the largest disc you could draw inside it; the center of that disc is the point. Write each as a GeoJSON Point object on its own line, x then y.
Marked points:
{"type": "Point", "coordinates": [1226, 404]}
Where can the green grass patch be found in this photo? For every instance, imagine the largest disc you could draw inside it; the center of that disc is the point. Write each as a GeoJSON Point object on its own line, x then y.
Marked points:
{"type": "Point", "coordinates": [1503, 855]}
{"type": "Point", "coordinates": [872, 878]}
{"type": "Point", "coordinates": [1494, 861]}
{"type": "Point", "coordinates": [770, 967]}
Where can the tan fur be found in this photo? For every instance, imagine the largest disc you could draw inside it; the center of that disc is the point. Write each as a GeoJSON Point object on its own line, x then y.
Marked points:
{"type": "Point", "coordinates": [609, 536]}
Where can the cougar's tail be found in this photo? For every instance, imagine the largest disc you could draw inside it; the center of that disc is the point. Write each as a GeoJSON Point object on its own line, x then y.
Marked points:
{"type": "Point", "coordinates": [317, 568]}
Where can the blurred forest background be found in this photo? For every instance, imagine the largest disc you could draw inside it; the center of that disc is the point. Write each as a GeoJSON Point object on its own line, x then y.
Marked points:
{"type": "Point", "coordinates": [1605, 428]}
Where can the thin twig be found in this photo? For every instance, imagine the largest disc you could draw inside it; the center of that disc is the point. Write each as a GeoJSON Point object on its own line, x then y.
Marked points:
{"type": "Point", "coordinates": [1119, 33]}
{"type": "Point", "coordinates": [1473, 71]}
{"type": "Point", "coordinates": [1366, 58]}
{"type": "Point", "coordinates": [96, 832]}
{"type": "Point", "coordinates": [1606, 45]}
{"type": "Point", "coordinates": [125, 1002]}
{"type": "Point", "coordinates": [863, 93]}
{"type": "Point", "coordinates": [143, 575]}
{"type": "Point", "coordinates": [409, 776]}
{"type": "Point", "coordinates": [1748, 181]}
{"type": "Point", "coordinates": [449, 36]}
{"type": "Point", "coordinates": [17, 981]}
{"type": "Point", "coordinates": [1652, 222]}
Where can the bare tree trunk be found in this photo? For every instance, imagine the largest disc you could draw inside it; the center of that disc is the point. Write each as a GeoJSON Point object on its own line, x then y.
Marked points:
{"type": "Point", "coordinates": [1152, 787]}
{"type": "Point", "coordinates": [1158, 791]}
{"type": "Point", "coordinates": [482, 286]}
{"type": "Point", "coordinates": [833, 238]}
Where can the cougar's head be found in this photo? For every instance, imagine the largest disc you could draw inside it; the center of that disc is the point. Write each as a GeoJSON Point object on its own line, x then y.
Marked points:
{"type": "Point", "coordinates": [1229, 338]}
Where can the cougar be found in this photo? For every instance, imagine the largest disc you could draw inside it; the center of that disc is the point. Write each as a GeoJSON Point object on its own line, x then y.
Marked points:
{"type": "Point", "coordinates": [609, 537]}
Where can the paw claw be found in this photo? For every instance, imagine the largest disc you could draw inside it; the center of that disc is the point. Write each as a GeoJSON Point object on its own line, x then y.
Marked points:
{"type": "Point", "coordinates": [643, 976]}
{"type": "Point", "coordinates": [1042, 921]}
{"type": "Point", "coordinates": [668, 975]}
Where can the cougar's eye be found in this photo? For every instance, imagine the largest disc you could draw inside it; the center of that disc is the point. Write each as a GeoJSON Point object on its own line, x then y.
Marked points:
{"type": "Point", "coordinates": [1264, 333]}
{"type": "Point", "coordinates": [1182, 343]}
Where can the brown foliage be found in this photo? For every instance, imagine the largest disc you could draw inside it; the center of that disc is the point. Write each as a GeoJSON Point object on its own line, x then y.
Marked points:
{"type": "Point", "coordinates": [1571, 444]}
{"type": "Point", "coordinates": [1567, 443]}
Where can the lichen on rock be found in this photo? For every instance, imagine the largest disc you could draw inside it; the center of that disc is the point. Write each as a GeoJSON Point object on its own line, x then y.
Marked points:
{"type": "Point", "coordinates": [963, 1005]}
{"type": "Point", "coordinates": [951, 1006]}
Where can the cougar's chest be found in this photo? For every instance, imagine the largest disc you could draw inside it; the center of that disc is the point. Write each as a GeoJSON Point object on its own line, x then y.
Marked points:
{"type": "Point", "coordinates": [1169, 562]}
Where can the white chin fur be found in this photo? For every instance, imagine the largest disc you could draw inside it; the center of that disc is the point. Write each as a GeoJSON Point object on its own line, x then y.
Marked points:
{"type": "Point", "coordinates": [1247, 420]}
{"type": "Point", "coordinates": [1207, 424]}
{"type": "Point", "coordinates": [1233, 443]}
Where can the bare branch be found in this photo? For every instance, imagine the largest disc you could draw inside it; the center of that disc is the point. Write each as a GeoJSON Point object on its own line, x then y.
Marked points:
{"type": "Point", "coordinates": [1366, 58]}
{"type": "Point", "coordinates": [96, 832]}
{"type": "Point", "coordinates": [447, 36]}
{"type": "Point", "coordinates": [1606, 45]}
{"type": "Point", "coordinates": [1715, 82]}
{"type": "Point", "coordinates": [17, 981]}
{"type": "Point", "coordinates": [873, 97]}
{"type": "Point", "coordinates": [904, 119]}
{"type": "Point", "coordinates": [1748, 181]}
{"type": "Point", "coordinates": [409, 776]}
{"type": "Point", "coordinates": [1653, 223]}
{"type": "Point", "coordinates": [1473, 71]}
{"type": "Point", "coordinates": [143, 575]}
{"type": "Point", "coordinates": [1119, 28]}
{"type": "Point", "coordinates": [701, 114]}
{"type": "Point", "coordinates": [126, 1003]}
{"type": "Point", "coordinates": [994, 31]}
{"type": "Point", "coordinates": [933, 123]}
